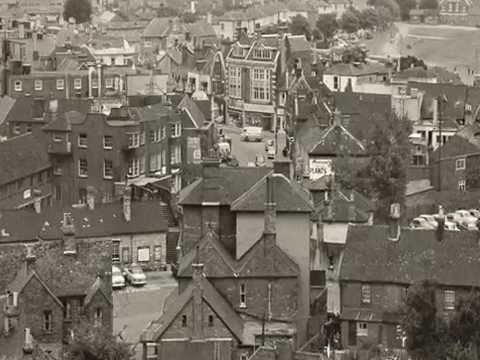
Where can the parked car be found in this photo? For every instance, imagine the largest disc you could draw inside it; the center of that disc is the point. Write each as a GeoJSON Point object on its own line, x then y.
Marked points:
{"type": "Point", "coordinates": [451, 226]}
{"type": "Point", "coordinates": [430, 219]}
{"type": "Point", "coordinates": [462, 216]}
{"type": "Point", "coordinates": [475, 213]}
{"type": "Point", "coordinates": [421, 223]}
{"type": "Point", "coordinates": [118, 280]}
{"type": "Point", "coordinates": [135, 275]}
{"type": "Point", "coordinates": [252, 133]}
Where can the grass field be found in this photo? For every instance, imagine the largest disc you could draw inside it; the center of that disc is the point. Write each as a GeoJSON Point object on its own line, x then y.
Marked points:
{"type": "Point", "coordinates": [441, 45]}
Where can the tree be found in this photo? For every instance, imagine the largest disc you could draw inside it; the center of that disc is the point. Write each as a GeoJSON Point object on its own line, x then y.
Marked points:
{"type": "Point", "coordinates": [327, 25]}
{"type": "Point", "coordinates": [407, 62]}
{"type": "Point", "coordinates": [391, 5]}
{"type": "Point", "coordinates": [385, 17]}
{"type": "Point", "coordinates": [80, 10]}
{"type": "Point", "coordinates": [426, 332]}
{"type": "Point", "coordinates": [97, 343]}
{"type": "Point", "coordinates": [387, 169]}
{"type": "Point", "coordinates": [350, 21]}
{"type": "Point", "coordinates": [188, 17]}
{"type": "Point", "coordinates": [300, 26]}
{"type": "Point", "coordinates": [464, 328]}
{"type": "Point", "coordinates": [369, 18]}
{"type": "Point", "coordinates": [429, 4]}
{"type": "Point", "coordinates": [354, 54]}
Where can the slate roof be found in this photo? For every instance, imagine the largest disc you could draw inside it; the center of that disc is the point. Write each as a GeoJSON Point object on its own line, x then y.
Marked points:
{"type": "Point", "coordinates": [288, 197]}
{"type": "Point", "coordinates": [210, 296]}
{"type": "Point", "coordinates": [224, 187]}
{"type": "Point", "coordinates": [334, 139]}
{"type": "Point", "coordinates": [22, 156]}
{"type": "Point", "coordinates": [370, 257]}
{"type": "Point", "coordinates": [197, 118]}
{"type": "Point", "coordinates": [356, 70]}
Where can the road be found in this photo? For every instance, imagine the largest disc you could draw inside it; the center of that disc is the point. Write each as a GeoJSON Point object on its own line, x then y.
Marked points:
{"type": "Point", "coordinates": [134, 308]}
{"type": "Point", "coordinates": [246, 152]}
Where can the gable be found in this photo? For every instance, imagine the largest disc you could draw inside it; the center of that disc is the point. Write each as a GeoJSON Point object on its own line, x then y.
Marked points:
{"type": "Point", "coordinates": [264, 261]}
{"type": "Point", "coordinates": [34, 287]}
{"type": "Point", "coordinates": [175, 328]}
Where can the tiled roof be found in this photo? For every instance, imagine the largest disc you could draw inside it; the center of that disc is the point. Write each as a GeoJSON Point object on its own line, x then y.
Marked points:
{"type": "Point", "coordinates": [338, 140]}
{"type": "Point", "coordinates": [104, 220]}
{"type": "Point", "coordinates": [23, 156]}
{"type": "Point", "coordinates": [298, 43]}
{"type": "Point", "coordinates": [340, 206]}
{"type": "Point", "coordinates": [356, 70]}
{"type": "Point", "coordinates": [225, 186]}
{"type": "Point", "coordinates": [288, 197]}
{"type": "Point", "coordinates": [418, 255]}
{"type": "Point", "coordinates": [211, 296]}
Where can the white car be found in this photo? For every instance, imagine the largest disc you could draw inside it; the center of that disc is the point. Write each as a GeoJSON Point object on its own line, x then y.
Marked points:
{"type": "Point", "coordinates": [451, 226]}
{"type": "Point", "coordinates": [135, 275]}
{"type": "Point", "coordinates": [252, 133]}
{"type": "Point", "coordinates": [464, 217]}
{"type": "Point", "coordinates": [475, 213]}
{"type": "Point", "coordinates": [421, 223]}
{"type": "Point", "coordinates": [430, 219]}
{"type": "Point", "coordinates": [118, 281]}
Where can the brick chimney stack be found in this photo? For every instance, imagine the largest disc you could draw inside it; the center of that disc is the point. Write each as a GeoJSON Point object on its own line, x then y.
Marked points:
{"type": "Point", "coordinates": [269, 232]}
{"type": "Point", "coordinates": [197, 276]}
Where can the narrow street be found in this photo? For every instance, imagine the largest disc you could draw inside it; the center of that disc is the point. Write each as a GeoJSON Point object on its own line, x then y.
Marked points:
{"type": "Point", "coordinates": [135, 307]}
{"type": "Point", "coordinates": [246, 152]}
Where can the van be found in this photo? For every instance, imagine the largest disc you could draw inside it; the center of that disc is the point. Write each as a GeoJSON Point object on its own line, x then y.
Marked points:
{"type": "Point", "coordinates": [251, 133]}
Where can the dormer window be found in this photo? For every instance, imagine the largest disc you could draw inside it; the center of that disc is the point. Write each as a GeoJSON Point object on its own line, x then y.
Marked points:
{"type": "Point", "coordinates": [263, 54]}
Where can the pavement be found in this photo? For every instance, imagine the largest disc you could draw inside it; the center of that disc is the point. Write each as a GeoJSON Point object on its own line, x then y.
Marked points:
{"type": "Point", "coordinates": [135, 307]}
{"type": "Point", "coordinates": [246, 152]}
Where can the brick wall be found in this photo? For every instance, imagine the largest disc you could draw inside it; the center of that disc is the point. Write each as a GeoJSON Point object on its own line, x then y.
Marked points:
{"type": "Point", "coordinates": [34, 300]}
{"type": "Point", "coordinates": [383, 297]}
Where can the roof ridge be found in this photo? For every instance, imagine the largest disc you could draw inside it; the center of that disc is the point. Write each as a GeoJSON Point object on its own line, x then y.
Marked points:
{"type": "Point", "coordinates": [249, 191]}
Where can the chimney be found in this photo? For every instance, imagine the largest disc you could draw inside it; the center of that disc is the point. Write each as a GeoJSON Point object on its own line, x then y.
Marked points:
{"type": "Point", "coordinates": [29, 259]}
{"type": "Point", "coordinates": [210, 165]}
{"type": "Point", "coordinates": [28, 343]}
{"type": "Point", "coordinates": [284, 167]}
{"type": "Point", "coordinates": [394, 228]}
{"type": "Point", "coordinates": [37, 204]}
{"type": "Point", "coordinates": [337, 118]}
{"type": "Point", "coordinates": [68, 230]}
{"type": "Point", "coordinates": [127, 204]}
{"type": "Point", "coordinates": [91, 197]}
{"type": "Point", "coordinates": [197, 276]}
{"type": "Point", "coordinates": [269, 232]}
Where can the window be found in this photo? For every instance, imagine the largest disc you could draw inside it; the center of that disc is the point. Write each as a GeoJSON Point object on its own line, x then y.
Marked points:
{"type": "Point", "coordinates": [176, 155]}
{"type": "Point", "coordinates": [210, 320]}
{"type": "Point", "coordinates": [152, 352]}
{"type": "Point", "coordinates": [153, 164]}
{"type": "Point", "coordinates": [264, 54]}
{"type": "Point", "coordinates": [67, 309]}
{"type": "Point", "coordinates": [335, 82]}
{"type": "Point", "coordinates": [77, 84]}
{"type": "Point", "coordinates": [109, 83]}
{"type": "Point", "coordinates": [366, 294]}
{"type": "Point", "coordinates": [176, 130]}
{"type": "Point", "coordinates": [108, 142]}
{"type": "Point", "coordinates": [38, 85]}
{"type": "Point", "coordinates": [260, 85]}
{"type": "Point", "coordinates": [152, 136]}
{"type": "Point", "coordinates": [82, 140]}
{"type": "Point", "coordinates": [142, 138]}
{"type": "Point", "coordinates": [56, 137]}
{"type": "Point", "coordinates": [17, 129]}
{"type": "Point", "coordinates": [449, 300]}
{"type": "Point", "coordinates": [143, 254]}
{"type": "Point", "coordinates": [244, 356]}
{"type": "Point", "coordinates": [18, 85]}
{"type": "Point", "coordinates": [28, 128]}
{"type": "Point", "coordinates": [461, 185]}
{"type": "Point", "coordinates": [60, 84]}
{"type": "Point", "coordinates": [133, 140]}
{"type": "Point", "coordinates": [134, 167]}
{"type": "Point", "coordinates": [82, 168]}
{"type": "Point", "coordinates": [47, 321]}
{"type": "Point", "coordinates": [94, 83]}
{"type": "Point", "coordinates": [362, 329]}
{"type": "Point", "coordinates": [235, 82]}
{"type": "Point", "coordinates": [460, 164]}
{"type": "Point", "coordinates": [142, 165]}
{"type": "Point", "coordinates": [184, 320]}
{"type": "Point", "coordinates": [164, 132]}
{"type": "Point", "coordinates": [97, 317]}
{"type": "Point", "coordinates": [125, 255]}
{"type": "Point", "coordinates": [115, 250]}
{"type": "Point", "coordinates": [108, 169]}
{"type": "Point", "coordinates": [243, 295]}
{"type": "Point", "coordinates": [157, 253]}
